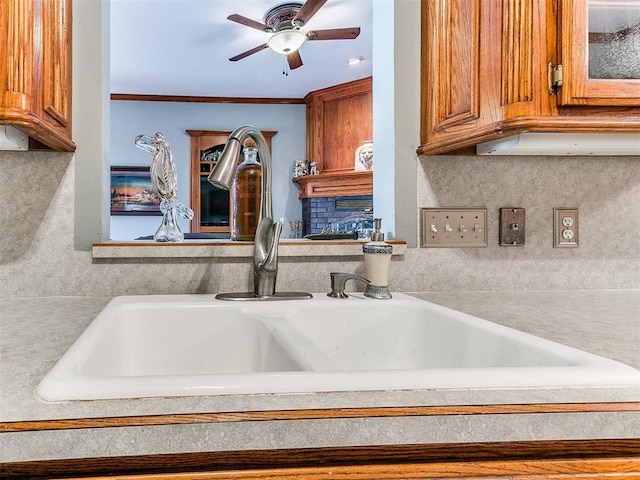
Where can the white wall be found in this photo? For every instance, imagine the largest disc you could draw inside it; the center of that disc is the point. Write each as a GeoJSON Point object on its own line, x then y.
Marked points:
{"type": "Point", "coordinates": [396, 115]}
{"type": "Point", "coordinates": [131, 118]}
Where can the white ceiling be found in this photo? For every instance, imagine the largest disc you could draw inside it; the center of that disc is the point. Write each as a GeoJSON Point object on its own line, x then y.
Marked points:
{"type": "Point", "coordinates": [182, 47]}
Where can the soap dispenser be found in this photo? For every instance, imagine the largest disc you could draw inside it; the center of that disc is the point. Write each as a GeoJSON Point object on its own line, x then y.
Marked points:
{"type": "Point", "coordinates": [377, 260]}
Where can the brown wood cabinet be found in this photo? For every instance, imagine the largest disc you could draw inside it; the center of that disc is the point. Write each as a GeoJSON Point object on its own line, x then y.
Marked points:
{"type": "Point", "coordinates": [589, 459]}
{"type": "Point", "coordinates": [339, 119]}
{"type": "Point", "coordinates": [487, 67]}
{"type": "Point", "coordinates": [35, 73]}
{"type": "Point", "coordinates": [210, 205]}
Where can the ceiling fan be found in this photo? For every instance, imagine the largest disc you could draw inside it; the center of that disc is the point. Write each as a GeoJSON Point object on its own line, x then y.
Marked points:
{"type": "Point", "coordinates": [284, 22]}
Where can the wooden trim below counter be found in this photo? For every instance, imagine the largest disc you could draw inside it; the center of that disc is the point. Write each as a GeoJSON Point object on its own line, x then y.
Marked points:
{"type": "Point", "coordinates": [615, 459]}
{"type": "Point", "coordinates": [314, 414]}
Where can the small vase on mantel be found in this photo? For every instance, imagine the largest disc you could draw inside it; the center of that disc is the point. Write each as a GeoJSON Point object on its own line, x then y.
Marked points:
{"type": "Point", "coordinates": [364, 156]}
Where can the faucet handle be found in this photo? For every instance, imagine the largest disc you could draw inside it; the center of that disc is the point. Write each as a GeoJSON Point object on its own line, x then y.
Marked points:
{"type": "Point", "coordinates": [338, 282]}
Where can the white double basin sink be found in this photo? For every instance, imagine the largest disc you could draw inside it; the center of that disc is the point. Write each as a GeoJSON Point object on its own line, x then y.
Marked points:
{"type": "Point", "coordinates": [180, 345]}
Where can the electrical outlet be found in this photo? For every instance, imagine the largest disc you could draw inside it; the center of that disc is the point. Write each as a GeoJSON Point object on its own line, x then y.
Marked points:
{"type": "Point", "coordinates": [512, 227]}
{"type": "Point", "coordinates": [565, 227]}
{"type": "Point", "coordinates": [454, 227]}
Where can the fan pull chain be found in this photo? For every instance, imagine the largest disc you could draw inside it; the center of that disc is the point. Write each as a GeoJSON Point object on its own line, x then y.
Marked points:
{"type": "Point", "coordinates": [285, 66]}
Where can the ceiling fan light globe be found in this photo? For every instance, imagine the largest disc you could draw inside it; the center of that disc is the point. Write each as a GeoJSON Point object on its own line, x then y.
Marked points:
{"type": "Point", "coordinates": [286, 41]}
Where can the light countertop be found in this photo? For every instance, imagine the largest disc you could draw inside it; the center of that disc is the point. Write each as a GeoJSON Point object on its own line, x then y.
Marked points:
{"type": "Point", "coordinates": [35, 332]}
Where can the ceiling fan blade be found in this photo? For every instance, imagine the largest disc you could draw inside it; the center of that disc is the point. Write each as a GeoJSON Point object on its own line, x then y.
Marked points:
{"type": "Point", "coordinates": [294, 59]}
{"type": "Point", "coordinates": [334, 34]}
{"type": "Point", "coordinates": [242, 55]}
{"type": "Point", "coordinates": [248, 22]}
{"type": "Point", "coordinates": [308, 10]}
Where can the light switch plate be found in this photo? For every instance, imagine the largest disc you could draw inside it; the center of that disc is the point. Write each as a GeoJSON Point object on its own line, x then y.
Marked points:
{"type": "Point", "coordinates": [453, 227]}
{"type": "Point", "coordinates": [512, 227]}
{"type": "Point", "coordinates": [565, 227]}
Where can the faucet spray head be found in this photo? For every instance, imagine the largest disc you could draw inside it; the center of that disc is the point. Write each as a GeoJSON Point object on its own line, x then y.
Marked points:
{"type": "Point", "coordinates": [224, 171]}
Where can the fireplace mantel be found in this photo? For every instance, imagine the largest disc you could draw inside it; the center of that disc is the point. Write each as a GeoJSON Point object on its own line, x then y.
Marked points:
{"type": "Point", "coordinates": [335, 184]}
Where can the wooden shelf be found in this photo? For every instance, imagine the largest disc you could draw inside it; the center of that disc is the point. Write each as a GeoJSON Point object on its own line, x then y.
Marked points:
{"type": "Point", "coordinates": [347, 183]}
{"type": "Point", "coordinates": [301, 248]}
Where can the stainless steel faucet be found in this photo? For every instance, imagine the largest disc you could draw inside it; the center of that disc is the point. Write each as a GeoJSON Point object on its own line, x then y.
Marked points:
{"type": "Point", "coordinates": [265, 250]}
{"type": "Point", "coordinates": [339, 282]}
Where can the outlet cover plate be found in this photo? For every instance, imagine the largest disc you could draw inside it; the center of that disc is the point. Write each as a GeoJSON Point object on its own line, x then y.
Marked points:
{"type": "Point", "coordinates": [454, 227]}
{"type": "Point", "coordinates": [512, 227]}
{"type": "Point", "coordinates": [565, 227]}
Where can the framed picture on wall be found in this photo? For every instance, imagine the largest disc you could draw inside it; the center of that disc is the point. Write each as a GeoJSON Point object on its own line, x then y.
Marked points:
{"type": "Point", "coordinates": [132, 192]}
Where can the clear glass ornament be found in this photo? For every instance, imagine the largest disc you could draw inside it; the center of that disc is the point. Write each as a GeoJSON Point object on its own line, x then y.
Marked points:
{"type": "Point", "coordinates": [164, 180]}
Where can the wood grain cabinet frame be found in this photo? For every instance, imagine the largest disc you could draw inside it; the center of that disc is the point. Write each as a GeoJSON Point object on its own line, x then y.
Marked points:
{"type": "Point", "coordinates": [339, 119]}
{"type": "Point", "coordinates": [35, 70]}
{"type": "Point", "coordinates": [578, 88]}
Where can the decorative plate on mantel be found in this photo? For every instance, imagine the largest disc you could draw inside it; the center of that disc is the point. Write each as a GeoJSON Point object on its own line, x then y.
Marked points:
{"type": "Point", "coordinates": [364, 156]}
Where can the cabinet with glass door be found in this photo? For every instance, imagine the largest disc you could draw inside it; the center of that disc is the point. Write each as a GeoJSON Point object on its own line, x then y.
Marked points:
{"type": "Point", "coordinates": [600, 52]}
{"type": "Point", "coordinates": [210, 204]}
{"type": "Point", "coordinates": [494, 68]}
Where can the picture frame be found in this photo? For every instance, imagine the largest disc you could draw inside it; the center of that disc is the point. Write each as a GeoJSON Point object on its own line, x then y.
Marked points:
{"type": "Point", "coordinates": [131, 192]}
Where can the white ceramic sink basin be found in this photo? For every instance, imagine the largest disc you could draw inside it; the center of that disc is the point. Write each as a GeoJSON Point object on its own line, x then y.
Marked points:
{"type": "Point", "coordinates": [149, 346]}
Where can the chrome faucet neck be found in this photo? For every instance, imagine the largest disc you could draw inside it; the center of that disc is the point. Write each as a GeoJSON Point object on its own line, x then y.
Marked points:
{"type": "Point", "coordinates": [265, 249]}
{"type": "Point", "coordinates": [240, 134]}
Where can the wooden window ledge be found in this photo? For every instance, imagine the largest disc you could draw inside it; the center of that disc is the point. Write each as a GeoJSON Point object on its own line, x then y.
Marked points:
{"type": "Point", "coordinates": [227, 248]}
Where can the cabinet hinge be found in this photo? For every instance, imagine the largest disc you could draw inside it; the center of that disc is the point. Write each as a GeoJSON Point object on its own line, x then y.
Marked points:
{"type": "Point", "coordinates": [554, 76]}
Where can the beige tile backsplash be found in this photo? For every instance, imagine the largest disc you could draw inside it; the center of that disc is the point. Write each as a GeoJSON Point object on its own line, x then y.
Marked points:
{"type": "Point", "coordinates": [37, 256]}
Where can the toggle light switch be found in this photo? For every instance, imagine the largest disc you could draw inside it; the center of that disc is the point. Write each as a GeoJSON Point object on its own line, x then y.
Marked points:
{"type": "Point", "coordinates": [449, 227]}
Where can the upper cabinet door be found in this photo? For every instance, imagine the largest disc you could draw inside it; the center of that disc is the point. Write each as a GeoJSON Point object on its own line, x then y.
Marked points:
{"type": "Point", "coordinates": [35, 70]}
{"type": "Point", "coordinates": [56, 64]}
{"type": "Point", "coordinates": [600, 52]}
{"type": "Point", "coordinates": [17, 68]}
